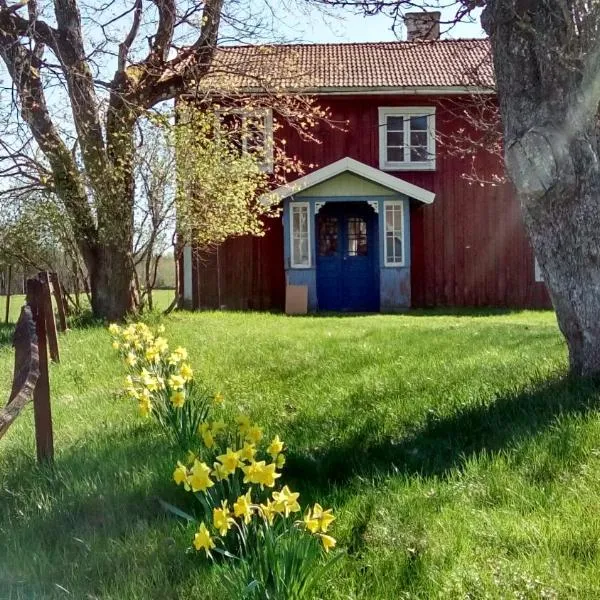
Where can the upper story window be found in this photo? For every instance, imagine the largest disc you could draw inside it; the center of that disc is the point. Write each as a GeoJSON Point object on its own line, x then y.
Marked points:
{"type": "Point", "coordinates": [407, 138]}
{"type": "Point", "coordinates": [252, 132]}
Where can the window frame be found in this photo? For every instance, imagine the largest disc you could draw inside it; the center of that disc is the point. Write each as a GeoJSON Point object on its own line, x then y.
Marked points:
{"type": "Point", "coordinates": [293, 263]}
{"type": "Point", "coordinates": [392, 204]}
{"type": "Point", "coordinates": [406, 113]}
{"type": "Point", "coordinates": [267, 114]}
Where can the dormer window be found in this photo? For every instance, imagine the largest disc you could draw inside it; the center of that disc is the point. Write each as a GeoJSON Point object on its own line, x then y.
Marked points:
{"type": "Point", "coordinates": [252, 132]}
{"type": "Point", "coordinates": [407, 138]}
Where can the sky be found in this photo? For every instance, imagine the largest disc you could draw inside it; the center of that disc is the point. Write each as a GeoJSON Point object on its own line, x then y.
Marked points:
{"type": "Point", "coordinates": [346, 26]}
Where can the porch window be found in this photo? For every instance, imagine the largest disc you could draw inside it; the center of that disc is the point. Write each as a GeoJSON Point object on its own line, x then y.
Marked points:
{"type": "Point", "coordinates": [394, 234]}
{"type": "Point", "coordinates": [407, 138]}
{"type": "Point", "coordinates": [251, 131]}
{"type": "Point", "coordinates": [300, 234]}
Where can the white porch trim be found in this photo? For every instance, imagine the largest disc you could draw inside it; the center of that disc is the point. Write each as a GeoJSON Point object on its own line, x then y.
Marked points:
{"type": "Point", "coordinates": [362, 170]}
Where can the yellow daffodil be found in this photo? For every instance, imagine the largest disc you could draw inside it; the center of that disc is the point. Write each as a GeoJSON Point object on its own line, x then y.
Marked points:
{"type": "Point", "coordinates": [310, 522]}
{"type": "Point", "coordinates": [275, 447]}
{"type": "Point", "coordinates": [222, 522]}
{"type": "Point", "coordinates": [244, 424]}
{"type": "Point", "coordinates": [114, 329]}
{"type": "Point", "coordinates": [174, 359]}
{"type": "Point", "coordinates": [247, 452]}
{"type": "Point", "coordinates": [206, 435]}
{"type": "Point", "coordinates": [218, 399]}
{"type": "Point", "coordinates": [328, 541]}
{"type": "Point", "coordinates": [181, 352]}
{"type": "Point", "coordinates": [242, 507]}
{"type": "Point", "coordinates": [286, 501]}
{"type": "Point", "coordinates": [176, 382]}
{"type": "Point", "coordinates": [219, 472]}
{"type": "Point", "coordinates": [131, 359]}
{"type": "Point", "coordinates": [178, 398]}
{"type": "Point", "coordinates": [254, 434]}
{"type": "Point", "coordinates": [180, 474]}
{"type": "Point", "coordinates": [202, 540]}
{"type": "Point", "coordinates": [324, 517]}
{"type": "Point", "coordinates": [161, 329]}
{"type": "Point", "coordinates": [230, 460]}
{"type": "Point", "coordinates": [268, 511]}
{"type": "Point", "coordinates": [145, 406]}
{"type": "Point", "coordinates": [253, 472]}
{"type": "Point", "coordinates": [260, 473]}
{"type": "Point", "coordinates": [280, 461]}
{"type": "Point", "coordinates": [116, 345]}
{"type": "Point", "coordinates": [268, 476]}
{"type": "Point", "coordinates": [217, 427]}
{"type": "Point", "coordinates": [199, 479]}
{"type": "Point", "coordinates": [161, 345]}
{"type": "Point", "coordinates": [152, 354]}
{"type": "Point", "coordinates": [186, 372]}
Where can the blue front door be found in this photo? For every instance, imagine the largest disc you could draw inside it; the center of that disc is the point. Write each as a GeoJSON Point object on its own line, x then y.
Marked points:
{"type": "Point", "coordinates": [347, 257]}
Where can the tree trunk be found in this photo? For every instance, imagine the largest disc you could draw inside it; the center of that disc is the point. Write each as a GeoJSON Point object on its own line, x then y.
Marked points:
{"type": "Point", "coordinates": [548, 98]}
{"type": "Point", "coordinates": [110, 279]}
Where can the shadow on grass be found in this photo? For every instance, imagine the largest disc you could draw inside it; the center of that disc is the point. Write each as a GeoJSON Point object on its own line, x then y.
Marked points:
{"type": "Point", "coordinates": [96, 509]}
{"type": "Point", "coordinates": [443, 443]}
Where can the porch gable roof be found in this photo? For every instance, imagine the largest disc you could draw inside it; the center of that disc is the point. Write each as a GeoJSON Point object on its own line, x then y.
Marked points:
{"type": "Point", "coordinates": [358, 168]}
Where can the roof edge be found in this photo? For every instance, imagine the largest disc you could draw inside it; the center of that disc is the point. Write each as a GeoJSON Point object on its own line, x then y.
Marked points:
{"type": "Point", "coordinates": [358, 168]}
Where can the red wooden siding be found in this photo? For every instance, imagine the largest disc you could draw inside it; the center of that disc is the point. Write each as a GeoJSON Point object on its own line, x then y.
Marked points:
{"type": "Point", "coordinates": [244, 273]}
{"type": "Point", "coordinates": [468, 248]}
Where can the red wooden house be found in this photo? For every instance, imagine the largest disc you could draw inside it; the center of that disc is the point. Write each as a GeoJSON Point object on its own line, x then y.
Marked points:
{"type": "Point", "coordinates": [387, 219]}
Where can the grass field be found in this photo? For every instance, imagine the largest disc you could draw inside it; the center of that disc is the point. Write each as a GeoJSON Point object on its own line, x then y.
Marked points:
{"type": "Point", "coordinates": [459, 460]}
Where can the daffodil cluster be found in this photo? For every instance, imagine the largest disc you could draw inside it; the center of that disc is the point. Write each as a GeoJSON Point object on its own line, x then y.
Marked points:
{"type": "Point", "coordinates": [240, 488]}
{"type": "Point", "coordinates": [161, 380]}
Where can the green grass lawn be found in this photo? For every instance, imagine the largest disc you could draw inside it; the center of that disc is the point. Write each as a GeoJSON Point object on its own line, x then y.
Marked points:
{"type": "Point", "coordinates": [459, 460]}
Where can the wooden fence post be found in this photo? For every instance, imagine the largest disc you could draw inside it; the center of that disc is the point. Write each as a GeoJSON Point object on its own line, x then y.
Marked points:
{"type": "Point", "coordinates": [46, 302]}
{"type": "Point", "coordinates": [8, 283]}
{"type": "Point", "coordinates": [60, 302]}
{"type": "Point", "coordinates": [36, 298]}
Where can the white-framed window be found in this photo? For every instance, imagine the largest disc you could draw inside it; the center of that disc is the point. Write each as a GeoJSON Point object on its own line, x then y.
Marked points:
{"type": "Point", "coordinates": [300, 235]}
{"type": "Point", "coordinates": [539, 277]}
{"type": "Point", "coordinates": [407, 138]}
{"type": "Point", "coordinates": [252, 132]}
{"type": "Point", "coordinates": [394, 233]}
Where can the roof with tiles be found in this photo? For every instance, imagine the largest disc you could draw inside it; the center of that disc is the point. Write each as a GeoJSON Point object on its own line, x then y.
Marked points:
{"type": "Point", "coordinates": [352, 66]}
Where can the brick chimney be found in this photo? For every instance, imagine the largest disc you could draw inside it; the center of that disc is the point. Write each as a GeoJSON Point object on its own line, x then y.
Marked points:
{"type": "Point", "coordinates": [422, 25]}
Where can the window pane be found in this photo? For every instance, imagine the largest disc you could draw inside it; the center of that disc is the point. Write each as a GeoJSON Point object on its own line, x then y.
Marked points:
{"type": "Point", "coordinates": [418, 123]}
{"type": "Point", "coordinates": [419, 154]}
{"type": "Point", "coordinates": [328, 236]}
{"type": "Point", "coordinates": [398, 248]}
{"type": "Point", "coordinates": [395, 138]}
{"type": "Point", "coordinates": [395, 123]}
{"type": "Point", "coordinates": [389, 220]}
{"type": "Point", "coordinates": [389, 248]}
{"type": "Point", "coordinates": [357, 237]}
{"type": "Point", "coordinates": [418, 138]}
{"type": "Point", "coordinates": [395, 154]}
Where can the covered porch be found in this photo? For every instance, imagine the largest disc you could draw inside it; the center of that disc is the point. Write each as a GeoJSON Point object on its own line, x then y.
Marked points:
{"type": "Point", "coordinates": [347, 237]}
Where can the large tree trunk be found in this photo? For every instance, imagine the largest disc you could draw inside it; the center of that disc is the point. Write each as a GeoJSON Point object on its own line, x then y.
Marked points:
{"type": "Point", "coordinates": [110, 278]}
{"type": "Point", "coordinates": [548, 94]}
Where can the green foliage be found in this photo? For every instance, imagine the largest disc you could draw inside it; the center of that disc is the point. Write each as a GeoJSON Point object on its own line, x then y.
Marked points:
{"type": "Point", "coordinates": [219, 185]}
